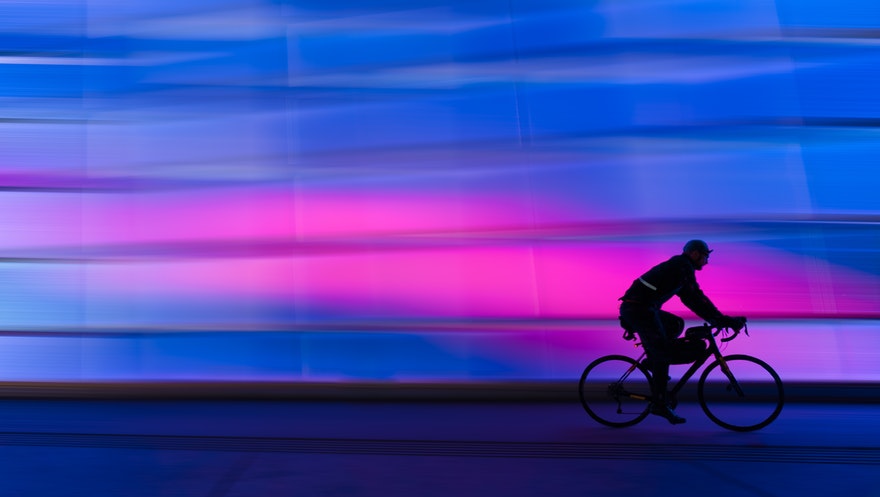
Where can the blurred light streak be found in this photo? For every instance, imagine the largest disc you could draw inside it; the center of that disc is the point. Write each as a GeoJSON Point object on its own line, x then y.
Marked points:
{"type": "Point", "coordinates": [461, 189]}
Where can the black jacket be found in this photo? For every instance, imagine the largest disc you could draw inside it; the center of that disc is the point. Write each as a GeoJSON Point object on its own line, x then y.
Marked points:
{"type": "Point", "coordinates": [673, 277]}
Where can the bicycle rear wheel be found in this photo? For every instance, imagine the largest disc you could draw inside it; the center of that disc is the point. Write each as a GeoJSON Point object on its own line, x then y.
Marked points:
{"type": "Point", "coordinates": [615, 391]}
{"type": "Point", "coordinates": [746, 398]}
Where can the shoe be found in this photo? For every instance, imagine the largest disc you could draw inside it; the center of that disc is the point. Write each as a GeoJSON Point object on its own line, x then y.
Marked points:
{"type": "Point", "coordinates": [667, 412]}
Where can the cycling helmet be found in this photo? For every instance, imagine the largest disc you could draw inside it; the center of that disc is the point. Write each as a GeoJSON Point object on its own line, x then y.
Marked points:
{"type": "Point", "coordinates": [698, 245]}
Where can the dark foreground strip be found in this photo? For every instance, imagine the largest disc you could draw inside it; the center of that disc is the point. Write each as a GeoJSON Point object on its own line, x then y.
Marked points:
{"type": "Point", "coordinates": [541, 450]}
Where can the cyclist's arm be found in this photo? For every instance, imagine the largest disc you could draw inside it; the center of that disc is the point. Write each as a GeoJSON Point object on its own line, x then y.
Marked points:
{"type": "Point", "coordinates": [693, 297]}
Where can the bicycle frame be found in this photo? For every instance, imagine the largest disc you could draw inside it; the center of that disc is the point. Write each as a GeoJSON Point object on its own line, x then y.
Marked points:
{"type": "Point", "coordinates": [711, 351]}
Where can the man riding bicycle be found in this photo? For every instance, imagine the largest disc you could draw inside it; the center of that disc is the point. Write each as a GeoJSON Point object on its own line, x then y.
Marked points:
{"type": "Point", "coordinates": [659, 330]}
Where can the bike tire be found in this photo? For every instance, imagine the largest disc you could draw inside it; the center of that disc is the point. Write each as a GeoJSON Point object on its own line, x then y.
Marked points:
{"type": "Point", "coordinates": [603, 387]}
{"type": "Point", "coordinates": [749, 399]}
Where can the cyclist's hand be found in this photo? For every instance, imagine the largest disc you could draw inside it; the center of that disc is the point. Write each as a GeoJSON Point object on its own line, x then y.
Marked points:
{"type": "Point", "coordinates": [735, 323]}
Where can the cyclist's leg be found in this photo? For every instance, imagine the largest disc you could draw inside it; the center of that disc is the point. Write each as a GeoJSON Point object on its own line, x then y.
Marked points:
{"type": "Point", "coordinates": [658, 362]}
{"type": "Point", "coordinates": [648, 324]}
{"type": "Point", "coordinates": [662, 405]}
{"type": "Point", "coordinates": [673, 326]}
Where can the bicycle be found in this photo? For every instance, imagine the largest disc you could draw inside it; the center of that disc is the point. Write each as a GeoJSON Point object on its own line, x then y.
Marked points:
{"type": "Point", "coordinates": [738, 392]}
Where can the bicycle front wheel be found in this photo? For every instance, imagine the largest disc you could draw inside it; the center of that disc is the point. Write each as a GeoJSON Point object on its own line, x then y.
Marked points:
{"type": "Point", "coordinates": [615, 391]}
{"type": "Point", "coordinates": [740, 393]}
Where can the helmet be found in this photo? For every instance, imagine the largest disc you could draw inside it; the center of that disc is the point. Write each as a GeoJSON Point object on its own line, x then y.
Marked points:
{"type": "Point", "coordinates": [698, 245]}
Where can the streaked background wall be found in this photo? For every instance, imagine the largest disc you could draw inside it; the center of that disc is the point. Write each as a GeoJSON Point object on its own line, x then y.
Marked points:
{"type": "Point", "coordinates": [428, 190]}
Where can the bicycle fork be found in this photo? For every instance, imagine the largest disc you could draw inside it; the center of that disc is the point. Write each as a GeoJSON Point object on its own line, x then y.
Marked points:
{"type": "Point", "coordinates": [733, 385]}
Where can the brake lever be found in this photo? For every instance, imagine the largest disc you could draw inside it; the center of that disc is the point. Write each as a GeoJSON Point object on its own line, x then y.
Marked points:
{"type": "Point", "coordinates": [727, 331]}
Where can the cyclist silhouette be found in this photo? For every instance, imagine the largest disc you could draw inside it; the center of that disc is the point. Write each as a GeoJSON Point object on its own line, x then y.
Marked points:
{"type": "Point", "coordinates": [659, 330]}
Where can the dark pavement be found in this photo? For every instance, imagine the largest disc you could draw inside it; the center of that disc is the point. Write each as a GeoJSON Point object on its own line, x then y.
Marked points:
{"type": "Point", "coordinates": [215, 448]}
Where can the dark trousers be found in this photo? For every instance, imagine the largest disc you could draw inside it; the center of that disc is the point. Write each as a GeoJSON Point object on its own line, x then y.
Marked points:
{"type": "Point", "coordinates": [658, 331]}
